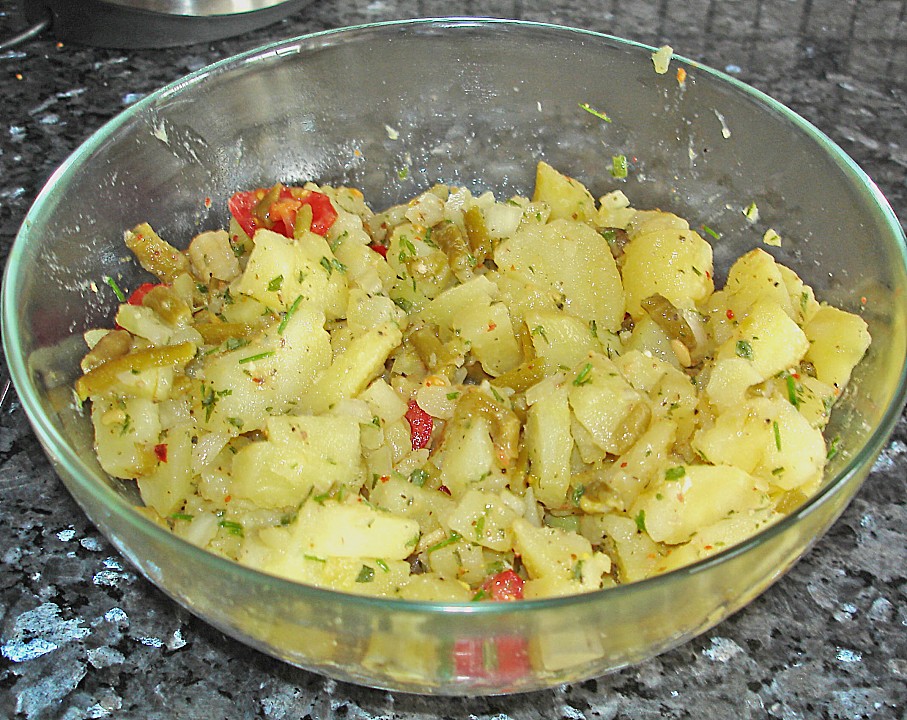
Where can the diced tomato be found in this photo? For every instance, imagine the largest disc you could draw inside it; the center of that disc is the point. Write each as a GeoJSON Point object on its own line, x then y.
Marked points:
{"type": "Point", "coordinates": [503, 657]}
{"type": "Point", "coordinates": [504, 587]}
{"type": "Point", "coordinates": [160, 452]}
{"type": "Point", "coordinates": [469, 657]}
{"type": "Point", "coordinates": [513, 657]}
{"type": "Point", "coordinates": [141, 291]}
{"type": "Point", "coordinates": [380, 249]}
{"type": "Point", "coordinates": [280, 215]}
{"type": "Point", "coordinates": [420, 424]}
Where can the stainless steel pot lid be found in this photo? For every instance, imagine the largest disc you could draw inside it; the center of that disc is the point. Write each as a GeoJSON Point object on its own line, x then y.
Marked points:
{"type": "Point", "coordinates": [153, 23]}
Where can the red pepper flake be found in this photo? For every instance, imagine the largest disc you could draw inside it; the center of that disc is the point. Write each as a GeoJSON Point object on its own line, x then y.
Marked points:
{"type": "Point", "coordinates": [384, 478]}
{"type": "Point", "coordinates": [227, 498]}
{"type": "Point", "coordinates": [380, 249]}
{"type": "Point", "coordinates": [444, 489]}
{"type": "Point", "coordinates": [420, 424]}
{"type": "Point", "coordinates": [623, 464]}
{"type": "Point", "coordinates": [207, 203]}
{"type": "Point", "coordinates": [730, 314]}
{"type": "Point", "coordinates": [492, 326]}
{"type": "Point", "coordinates": [863, 300]}
{"type": "Point", "coordinates": [160, 452]}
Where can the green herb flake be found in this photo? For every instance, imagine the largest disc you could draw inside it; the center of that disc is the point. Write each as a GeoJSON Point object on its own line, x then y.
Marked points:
{"type": "Point", "coordinates": [640, 521]}
{"type": "Point", "coordinates": [593, 328]}
{"type": "Point", "coordinates": [481, 594]}
{"type": "Point", "coordinates": [675, 473]}
{"type": "Point", "coordinates": [578, 571]}
{"type": "Point", "coordinates": [326, 264]}
{"type": "Point", "coordinates": [776, 430]}
{"type": "Point", "coordinates": [383, 565]}
{"type": "Point", "coordinates": [452, 395]}
{"type": "Point", "coordinates": [275, 283]}
{"type": "Point", "coordinates": [582, 377]}
{"type": "Point", "coordinates": [234, 528]}
{"type": "Point", "coordinates": [619, 166]}
{"type": "Point", "coordinates": [777, 471]}
{"type": "Point", "coordinates": [403, 173]}
{"type": "Point", "coordinates": [116, 288]}
{"type": "Point", "coordinates": [337, 265]}
{"type": "Point", "coordinates": [792, 395]}
{"type": "Point", "coordinates": [592, 111]}
{"type": "Point", "coordinates": [744, 349]}
{"type": "Point", "coordinates": [834, 447]}
{"type": "Point", "coordinates": [235, 343]}
{"type": "Point", "coordinates": [366, 574]}
{"type": "Point", "coordinates": [751, 212]}
{"type": "Point", "coordinates": [577, 493]}
{"type": "Point", "coordinates": [257, 356]}
{"type": "Point", "coordinates": [288, 314]}
{"type": "Point", "coordinates": [539, 330]}
{"type": "Point", "coordinates": [181, 516]}
{"type": "Point", "coordinates": [454, 537]}
{"type": "Point", "coordinates": [709, 231]}
{"type": "Point", "coordinates": [418, 477]}
{"type": "Point", "coordinates": [314, 558]}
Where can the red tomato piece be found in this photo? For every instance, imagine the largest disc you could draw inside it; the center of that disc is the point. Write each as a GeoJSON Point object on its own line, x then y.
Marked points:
{"type": "Point", "coordinates": [280, 216]}
{"type": "Point", "coordinates": [380, 249]}
{"type": "Point", "coordinates": [469, 658]}
{"type": "Point", "coordinates": [141, 291]}
{"type": "Point", "coordinates": [420, 425]}
{"type": "Point", "coordinates": [513, 657]}
{"type": "Point", "coordinates": [504, 587]}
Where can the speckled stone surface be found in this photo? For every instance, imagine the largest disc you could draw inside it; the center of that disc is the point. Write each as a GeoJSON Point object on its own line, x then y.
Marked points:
{"type": "Point", "coordinates": [82, 636]}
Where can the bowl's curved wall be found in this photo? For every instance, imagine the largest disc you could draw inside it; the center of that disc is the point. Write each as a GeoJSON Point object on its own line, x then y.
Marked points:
{"type": "Point", "coordinates": [392, 109]}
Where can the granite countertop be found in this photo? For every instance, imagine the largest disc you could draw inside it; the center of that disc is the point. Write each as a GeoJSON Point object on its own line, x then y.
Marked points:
{"type": "Point", "coordinates": [84, 636]}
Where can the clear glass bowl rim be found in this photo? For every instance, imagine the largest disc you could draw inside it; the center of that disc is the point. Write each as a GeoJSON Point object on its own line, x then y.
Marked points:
{"type": "Point", "coordinates": [79, 472]}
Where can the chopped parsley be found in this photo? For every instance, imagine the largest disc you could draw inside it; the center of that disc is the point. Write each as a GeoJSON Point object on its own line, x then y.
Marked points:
{"type": "Point", "coordinates": [366, 574]}
{"type": "Point", "coordinates": [454, 537]}
{"type": "Point", "coordinates": [592, 111]}
{"type": "Point", "coordinates": [289, 313]}
{"type": "Point", "coordinates": [640, 521]}
{"type": "Point", "coordinates": [582, 377]}
{"type": "Point", "coordinates": [116, 288]}
{"type": "Point", "coordinates": [776, 430]}
{"type": "Point", "coordinates": [257, 356]}
{"type": "Point", "coordinates": [275, 283]}
{"type": "Point", "coordinates": [744, 349]}
{"type": "Point", "coordinates": [675, 473]}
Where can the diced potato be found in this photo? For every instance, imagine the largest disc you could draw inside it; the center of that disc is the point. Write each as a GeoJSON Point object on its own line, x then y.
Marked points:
{"type": "Point", "coordinates": [837, 342]}
{"type": "Point", "coordinates": [665, 257]}
{"type": "Point", "coordinates": [637, 555]}
{"type": "Point", "coordinates": [490, 333]}
{"type": "Point", "coordinates": [550, 444]}
{"type": "Point", "coordinates": [630, 474]}
{"type": "Point", "coordinates": [352, 530]}
{"type": "Point", "coordinates": [550, 552]}
{"type": "Point", "coordinates": [483, 518]}
{"type": "Point", "coordinates": [166, 488]}
{"type": "Point", "coordinates": [768, 338]}
{"type": "Point", "coordinates": [561, 339]}
{"type": "Point", "coordinates": [602, 401]}
{"type": "Point", "coordinates": [681, 503]}
{"type": "Point", "coordinates": [245, 385]}
{"type": "Point", "coordinates": [350, 373]}
{"type": "Point", "coordinates": [212, 256]}
{"type": "Point", "coordinates": [469, 456]}
{"type": "Point", "coordinates": [568, 198]}
{"type": "Point", "coordinates": [768, 438]}
{"type": "Point", "coordinates": [302, 456]}
{"type": "Point", "coordinates": [280, 271]}
{"type": "Point", "coordinates": [126, 431]}
{"type": "Point", "coordinates": [572, 261]}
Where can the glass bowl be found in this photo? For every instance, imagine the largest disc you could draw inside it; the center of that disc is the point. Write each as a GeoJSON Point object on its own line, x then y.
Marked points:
{"type": "Point", "coordinates": [391, 109]}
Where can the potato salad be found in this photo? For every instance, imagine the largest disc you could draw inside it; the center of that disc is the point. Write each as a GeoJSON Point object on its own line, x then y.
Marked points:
{"type": "Point", "coordinates": [463, 398]}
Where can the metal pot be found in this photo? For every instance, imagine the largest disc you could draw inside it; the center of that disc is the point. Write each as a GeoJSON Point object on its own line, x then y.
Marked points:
{"type": "Point", "coordinates": [154, 23]}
